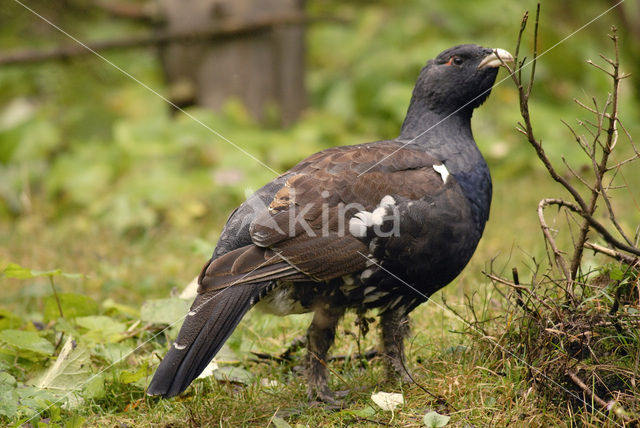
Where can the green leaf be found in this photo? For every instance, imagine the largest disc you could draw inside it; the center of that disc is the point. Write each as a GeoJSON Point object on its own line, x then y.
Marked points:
{"type": "Point", "coordinates": [233, 374]}
{"type": "Point", "coordinates": [137, 377]}
{"type": "Point", "coordinates": [71, 372]}
{"type": "Point", "coordinates": [74, 421]}
{"type": "Point", "coordinates": [616, 274]}
{"type": "Point", "coordinates": [165, 311]}
{"type": "Point", "coordinates": [71, 368]}
{"type": "Point", "coordinates": [73, 306]}
{"type": "Point", "coordinates": [101, 328]}
{"type": "Point", "coordinates": [7, 381]}
{"type": "Point", "coordinates": [26, 341]}
{"type": "Point", "coordinates": [114, 352]}
{"type": "Point", "coordinates": [365, 412]}
{"type": "Point", "coordinates": [13, 270]}
{"type": "Point", "coordinates": [435, 420]}
{"type": "Point", "coordinates": [111, 306]}
{"type": "Point", "coordinates": [278, 422]}
{"type": "Point", "coordinates": [9, 401]}
{"type": "Point", "coordinates": [33, 399]}
{"type": "Point", "coordinates": [9, 320]}
{"type": "Point", "coordinates": [94, 387]}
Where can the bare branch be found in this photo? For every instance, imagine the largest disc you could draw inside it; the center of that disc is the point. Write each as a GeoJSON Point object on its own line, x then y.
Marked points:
{"type": "Point", "coordinates": [229, 30]}
{"type": "Point", "coordinates": [535, 51]}
{"type": "Point", "coordinates": [576, 175]}
{"type": "Point", "coordinates": [600, 67]}
{"type": "Point", "coordinates": [611, 253]}
{"type": "Point", "coordinates": [559, 259]}
{"type": "Point", "coordinates": [595, 225]}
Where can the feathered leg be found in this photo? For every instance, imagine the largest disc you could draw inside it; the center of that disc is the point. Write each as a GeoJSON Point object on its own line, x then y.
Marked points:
{"type": "Point", "coordinates": [320, 336]}
{"type": "Point", "coordinates": [394, 327]}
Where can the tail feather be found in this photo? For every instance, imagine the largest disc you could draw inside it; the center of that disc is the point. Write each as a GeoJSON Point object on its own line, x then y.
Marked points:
{"type": "Point", "coordinates": [212, 318]}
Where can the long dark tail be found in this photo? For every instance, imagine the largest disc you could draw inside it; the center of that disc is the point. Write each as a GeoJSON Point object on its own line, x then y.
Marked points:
{"type": "Point", "coordinates": [212, 318]}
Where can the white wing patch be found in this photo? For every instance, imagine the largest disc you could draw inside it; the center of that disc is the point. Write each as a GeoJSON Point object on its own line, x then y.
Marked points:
{"type": "Point", "coordinates": [359, 223]}
{"type": "Point", "coordinates": [443, 171]}
{"type": "Point", "coordinates": [387, 201]}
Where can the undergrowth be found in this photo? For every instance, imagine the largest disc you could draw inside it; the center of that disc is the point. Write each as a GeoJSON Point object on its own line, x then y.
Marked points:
{"type": "Point", "coordinates": [574, 328]}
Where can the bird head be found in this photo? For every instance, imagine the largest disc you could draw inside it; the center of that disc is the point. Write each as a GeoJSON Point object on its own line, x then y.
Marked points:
{"type": "Point", "coordinates": [459, 78]}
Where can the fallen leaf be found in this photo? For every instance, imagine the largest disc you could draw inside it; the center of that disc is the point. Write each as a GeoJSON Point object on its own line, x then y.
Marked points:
{"type": "Point", "coordinates": [387, 400]}
{"type": "Point", "coordinates": [435, 420]}
{"type": "Point", "coordinates": [26, 341]}
{"type": "Point", "coordinates": [278, 422]}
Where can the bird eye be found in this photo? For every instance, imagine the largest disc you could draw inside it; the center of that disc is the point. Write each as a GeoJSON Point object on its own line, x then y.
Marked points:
{"type": "Point", "coordinates": [455, 60]}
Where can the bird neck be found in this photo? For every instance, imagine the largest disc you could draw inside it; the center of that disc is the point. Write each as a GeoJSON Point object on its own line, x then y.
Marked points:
{"type": "Point", "coordinates": [449, 139]}
{"type": "Point", "coordinates": [424, 124]}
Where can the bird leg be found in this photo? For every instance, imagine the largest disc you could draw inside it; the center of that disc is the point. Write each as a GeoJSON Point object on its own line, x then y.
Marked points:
{"type": "Point", "coordinates": [320, 336]}
{"type": "Point", "coordinates": [394, 327]}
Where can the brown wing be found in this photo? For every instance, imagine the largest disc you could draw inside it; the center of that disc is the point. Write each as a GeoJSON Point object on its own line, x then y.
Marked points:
{"type": "Point", "coordinates": [305, 231]}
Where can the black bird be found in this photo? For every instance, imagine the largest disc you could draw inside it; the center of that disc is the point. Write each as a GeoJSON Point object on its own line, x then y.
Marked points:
{"type": "Point", "coordinates": [379, 226]}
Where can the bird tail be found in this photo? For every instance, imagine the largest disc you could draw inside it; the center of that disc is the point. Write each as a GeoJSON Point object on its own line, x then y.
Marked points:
{"type": "Point", "coordinates": [212, 318]}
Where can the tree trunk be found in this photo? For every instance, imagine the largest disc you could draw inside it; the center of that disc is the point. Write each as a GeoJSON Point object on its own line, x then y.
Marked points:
{"type": "Point", "coordinates": [263, 69]}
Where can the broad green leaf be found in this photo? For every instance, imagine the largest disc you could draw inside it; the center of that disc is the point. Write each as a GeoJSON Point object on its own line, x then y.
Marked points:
{"type": "Point", "coordinates": [137, 377]}
{"type": "Point", "coordinates": [33, 399]}
{"type": "Point", "coordinates": [101, 328]}
{"type": "Point", "coordinates": [7, 382]}
{"type": "Point", "coordinates": [435, 420]}
{"type": "Point", "coordinates": [9, 402]}
{"type": "Point", "coordinates": [73, 306]}
{"type": "Point", "coordinates": [226, 355]}
{"type": "Point", "coordinates": [164, 311]}
{"type": "Point", "coordinates": [114, 352]}
{"type": "Point", "coordinates": [616, 274]}
{"type": "Point", "coordinates": [69, 371]}
{"type": "Point", "coordinates": [278, 422]}
{"type": "Point", "coordinates": [14, 270]}
{"type": "Point", "coordinates": [365, 412]}
{"type": "Point", "coordinates": [26, 341]}
{"type": "Point", "coordinates": [112, 306]}
{"type": "Point", "coordinates": [74, 421]}
{"type": "Point", "coordinates": [94, 387]}
{"type": "Point", "coordinates": [9, 320]}
{"type": "Point", "coordinates": [70, 375]}
{"type": "Point", "coordinates": [233, 374]}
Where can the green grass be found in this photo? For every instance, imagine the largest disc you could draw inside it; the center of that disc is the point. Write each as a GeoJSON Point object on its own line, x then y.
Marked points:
{"type": "Point", "coordinates": [454, 366]}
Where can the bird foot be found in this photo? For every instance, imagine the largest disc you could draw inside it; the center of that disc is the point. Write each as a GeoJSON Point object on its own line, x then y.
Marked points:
{"type": "Point", "coordinates": [327, 396]}
{"type": "Point", "coordinates": [398, 377]}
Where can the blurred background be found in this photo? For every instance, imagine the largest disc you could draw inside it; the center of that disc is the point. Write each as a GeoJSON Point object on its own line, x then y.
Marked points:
{"type": "Point", "coordinates": [120, 160]}
{"type": "Point", "coordinates": [101, 174]}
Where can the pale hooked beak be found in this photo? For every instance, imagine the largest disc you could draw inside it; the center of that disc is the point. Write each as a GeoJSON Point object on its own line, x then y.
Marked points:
{"type": "Point", "coordinates": [494, 59]}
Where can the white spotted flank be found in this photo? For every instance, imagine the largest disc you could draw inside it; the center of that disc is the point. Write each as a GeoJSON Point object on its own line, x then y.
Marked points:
{"type": "Point", "coordinates": [366, 274]}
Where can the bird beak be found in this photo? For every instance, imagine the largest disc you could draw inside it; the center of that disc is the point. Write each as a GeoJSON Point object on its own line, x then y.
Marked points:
{"type": "Point", "coordinates": [495, 59]}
